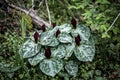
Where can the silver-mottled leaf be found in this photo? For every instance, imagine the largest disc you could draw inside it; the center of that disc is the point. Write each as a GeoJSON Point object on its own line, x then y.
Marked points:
{"type": "Point", "coordinates": [72, 68]}
{"type": "Point", "coordinates": [51, 66]}
{"type": "Point", "coordinates": [85, 52]}
{"type": "Point", "coordinates": [29, 49]}
{"type": "Point", "coordinates": [65, 28]}
{"type": "Point", "coordinates": [45, 38]}
{"type": "Point", "coordinates": [60, 52]}
{"type": "Point", "coordinates": [69, 50]}
{"type": "Point", "coordinates": [48, 38]}
{"type": "Point", "coordinates": [53, 31]}
{"type": "Point", "coordinates": [37, 58]}
{"type": "Point", "coordinates": [65, 38]}
{"type": "Point", "coordinates": [83, 31]}
{"type": "Point", "coordinates": [54, 42]}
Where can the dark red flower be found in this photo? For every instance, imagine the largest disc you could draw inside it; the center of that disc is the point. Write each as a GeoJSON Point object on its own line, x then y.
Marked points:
{"type": "Point", "coordinates": [53, 24]}
{"type": "Point", "coordinates": [43, 27]}
{"type": "Point", "coordinates": [36, 36]}
{"type": "Point", "coordinates": [77, 40]}
{"type": "Point", "coordinates": [73, 22]}
{"type": "Point", "coordinates": [48, 53]}
{"type": "Point", "coordinates": [79, 37]}
{"type": "Point", "coordinates": [57, 32]}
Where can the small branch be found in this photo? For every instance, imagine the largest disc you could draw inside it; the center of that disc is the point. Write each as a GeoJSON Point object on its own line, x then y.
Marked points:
{"type": "Point", "coordinates": [32, 8]}
{"type": "Point", "coordinates": [18, 3]}
{"type": "Point", "coordinates": [36, 19]}
{"type": "Point", "coordinates": [113, 23]}
{"type": "Point", "coordinates": [48, 11]}
{"type": "Point", "coordinates": [40, 3]}
{"type": "Point", "coordinates": [33, 4]}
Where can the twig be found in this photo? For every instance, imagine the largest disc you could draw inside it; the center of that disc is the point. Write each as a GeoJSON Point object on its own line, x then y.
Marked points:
{"type": "Point", "coordinates": [40, 3]}
{"type": "Point", "coordinates": [32, 8]}
{"type": "Point", "coordinates": [36, 19]}
{"type": "Point", "coordinates": [113, 23]}
{"type": "Point", "coordinates": [33, 4]}
{"type": "Point", "coordinates": [18, 3]}
{"type": "Point", "coordinates": [48, 11]}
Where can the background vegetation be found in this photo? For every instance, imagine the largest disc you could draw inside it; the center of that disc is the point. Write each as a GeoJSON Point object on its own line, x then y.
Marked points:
{"type": "Point", "coordinates": [102, 16]}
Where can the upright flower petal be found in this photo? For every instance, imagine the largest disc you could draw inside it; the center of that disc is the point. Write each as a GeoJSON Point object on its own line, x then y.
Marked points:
{"type": "Point", "coordinates": [57, 32]}
{"type": "Point", "coordinates": [79, 37]}
{"type": "Point", "coordinates": [77, 40]}
{"type": "Point", "coordinates": [48, 53]}
{"type": "Point", "coordinates": [43, 27]}
{"type": "Point", "coordinates": [73, 22]}
{"type": "Point", "coordinates": [36, 36]}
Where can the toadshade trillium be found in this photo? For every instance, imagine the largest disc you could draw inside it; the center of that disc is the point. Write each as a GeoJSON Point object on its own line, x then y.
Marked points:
{"type": "Point", "coordinates": [52, 48]}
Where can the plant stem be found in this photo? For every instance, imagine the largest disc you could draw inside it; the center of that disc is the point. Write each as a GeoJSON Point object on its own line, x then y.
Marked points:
{"type": "Point", "coordinates": [48, 11]}
{"type": "Point", "coordinates": [113, 23]}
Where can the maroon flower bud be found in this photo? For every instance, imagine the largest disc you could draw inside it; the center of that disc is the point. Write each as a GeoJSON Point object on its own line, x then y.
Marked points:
{"type": "Point", "coordinates": [36, 36]}
{"type": "Point", "coordinates": [57, 32]}
{"type": "Point", "coordinates": [48, 53]}
{"type": "Point", "coordinates": [73, 22]}
{"type": "Point", "coordinates": [43, 27]}
{"type": "Point", "coordinates": [77, 40]}
{"type": "Point", "coordinates": [53, 24]}
{"type": "Point", "coordinates": [79, 37]}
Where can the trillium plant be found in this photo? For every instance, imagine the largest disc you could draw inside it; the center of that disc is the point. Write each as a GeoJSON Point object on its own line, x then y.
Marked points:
{"type": "Point", "coordinates": [53, 49]}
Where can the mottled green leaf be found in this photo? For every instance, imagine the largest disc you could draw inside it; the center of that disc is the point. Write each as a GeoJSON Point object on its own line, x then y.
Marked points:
{"type": "Point", "coordinates": [83, 31]}
{"type": "Point", "coordinates": [37, 58]}
{"type": "Point", "coordinates": [45, 38]}
{"type": "Point", "coordinates": [69, 50]}
{"type": "Point", "coordinates": [65, 38]}
{"type": "Point", "coordinates": [85, 52]}
{"type": "Point", "coordinates": [29, 49]}
{"type": "Point", "coordinates": [53, 31]}
{"type": "Point", "coordinates": [72, 68]}
{"type": "Point", "coordinates": [54, 42]}
{"type": "Point", "coordinates": [65, 28]}
{"type": "Point", "coordinates": [51, 66]}
{"type": "Point", "coordinates": [60, 52]}
{"type": "Point", "coordinates": [48, 38]}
